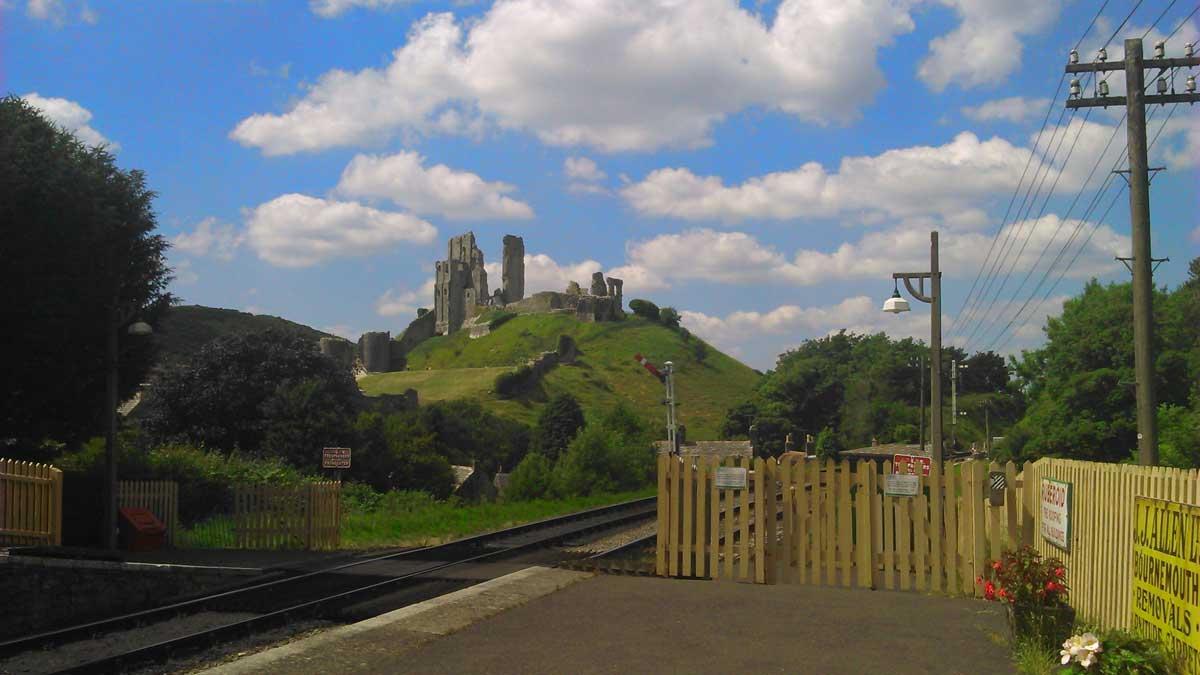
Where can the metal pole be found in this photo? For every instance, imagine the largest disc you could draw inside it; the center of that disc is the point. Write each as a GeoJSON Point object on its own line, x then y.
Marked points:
{"type": "Point", "coordinates": [109, 540]}
{"type": "Point", "coordinates": [1143, 284]}
{"type": "Point", "coordinates": [935, 362]}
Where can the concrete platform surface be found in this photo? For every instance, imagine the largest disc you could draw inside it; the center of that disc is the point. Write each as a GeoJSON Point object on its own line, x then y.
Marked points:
{"type": "Point", "coordinates": [615, 624]}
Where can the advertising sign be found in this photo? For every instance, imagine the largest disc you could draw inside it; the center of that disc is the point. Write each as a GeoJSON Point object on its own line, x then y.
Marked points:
{"type": "Point", "coordinates": [1166, 566]}
{"type": "Point", "coordinates": [909, 463]}
{"type": "Point", "coordinates": [731, 477]}
{"type": "Point", "coordinates": [1056, 513]}
{"type": "Point", "coordinates": [902, 485]}
{"type": "Point", "coordinates": [335, 458]}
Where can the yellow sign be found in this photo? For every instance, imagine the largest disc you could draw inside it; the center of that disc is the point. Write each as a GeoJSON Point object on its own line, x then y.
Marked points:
{"type": "Point", "coordinates": [1166, 576]}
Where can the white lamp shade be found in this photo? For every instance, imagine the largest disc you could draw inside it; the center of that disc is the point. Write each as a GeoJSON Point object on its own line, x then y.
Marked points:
{"type": "Point", "coordinates": [895, 305]}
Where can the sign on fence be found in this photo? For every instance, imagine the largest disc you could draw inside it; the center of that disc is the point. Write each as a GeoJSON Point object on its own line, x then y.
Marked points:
{"type": "Point", "coordinates": [902, 485]}
{"type": "Point", "coordinates": [908, 464]}
{"type": "Point", "coordinates": [1166, 564]}
{"type": "Point", "coordinates": [1056, 513]}
{"type": "Point", "coordinates": [731, 478]}
{"type": "Point", "coordinates": [335, 458]}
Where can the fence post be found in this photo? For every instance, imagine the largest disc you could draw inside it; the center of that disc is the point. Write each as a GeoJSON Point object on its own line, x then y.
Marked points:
{"type": "Point", "coordinates": [862, 529]}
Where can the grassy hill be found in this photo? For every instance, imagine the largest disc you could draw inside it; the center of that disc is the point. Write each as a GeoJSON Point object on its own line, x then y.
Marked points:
{"type": "Point", "coordinates": [189, 327]}
{"type": "Point", "coordinates": [455, 366]}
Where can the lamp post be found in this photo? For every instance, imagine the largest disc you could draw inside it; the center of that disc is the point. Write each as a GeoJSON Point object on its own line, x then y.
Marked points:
{"type": "Point", "coordinates": [116, 317]}
{"type": "Point", "coordinates": [896, 304]}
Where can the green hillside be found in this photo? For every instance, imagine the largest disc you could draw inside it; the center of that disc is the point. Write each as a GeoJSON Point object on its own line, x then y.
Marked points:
{"type": "Point", "coordinates": [452, 366]}
{"type": "Point", "coordinates": [189, 327]}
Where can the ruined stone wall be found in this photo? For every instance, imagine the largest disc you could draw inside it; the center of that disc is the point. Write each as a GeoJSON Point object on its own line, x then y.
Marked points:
{"type": "Point", "coordinates": [375, 351]}
{"type": "Point", "coordinates": [341, 351]}
{"type": "Point", "coordinates": [421, 329]}
{"type": "Point", "coordinates": [513, 269]}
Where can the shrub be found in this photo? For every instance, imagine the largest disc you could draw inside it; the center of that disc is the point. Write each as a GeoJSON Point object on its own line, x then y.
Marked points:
{"type": "Point", "coordinates": [557, 424]}
{"type": "Point", "coordinates": [645, 309]}
{"type": "Point", "coordinates": [513, 383]}
{"type": "Point", "coordinates": [827, 444]}
{"type": "Point", "coordinates": [1119, 652]}
{"type": "Point", "coordinates": [668, 317]}
{"type": "Point", "coordinates": [531, 478]}
{"type": "Point", "coordinates": [608, 455]}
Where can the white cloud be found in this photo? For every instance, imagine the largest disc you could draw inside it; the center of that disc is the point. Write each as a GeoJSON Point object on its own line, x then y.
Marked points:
{"type": "Point", "coordinates": [986, 46]}
{"type": "Point", "coordinates": [70, 116]}
{"type": "Point", "coordinates": [333, 8]}
{"type": "Point", "coordinates": [949, 180]}
{"type": "Point", "coordinates": [739, 258]}
{"type": "Point", "coordinates": [341, 330]}
{"type": "Point", "coordinates": [295, 230]}
{"type": "Point", "coordinates": [210, 234]}
{"type": "Point", "coordinates": [46, 10]}
{"type": "Point", "coordinates": [184, 274]}
{"type": "Point", "coordinates": [1012, 109]}
{"type": "Point", "coordinates": [402, 303]}
{"type": "Point", "coordinates": [543, 273]}
{"type": "Point", "coordinates": [403, 180]}
{"type": "Point", "coordinates": [614, 76]}
{"type": "Point", "coordinates": [1196, 235]}
{"type": "Point", "coordinates": [1186, 155]}
{"type": "Point", "coordinates": [583, 169]}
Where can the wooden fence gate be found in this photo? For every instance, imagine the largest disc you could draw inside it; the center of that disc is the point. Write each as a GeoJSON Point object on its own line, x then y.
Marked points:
{"type": "Point", "coordinates": [30, 504]}
{"type": "Point", "coordinates": [271, 517]}
{"type": "Point", "coordinates": [160, 497]}
{"type": "Point", "coordinates": [805, 520]}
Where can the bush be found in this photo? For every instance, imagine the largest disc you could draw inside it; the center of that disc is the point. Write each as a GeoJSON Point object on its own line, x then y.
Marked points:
{"type": "Point", "coordinates": [668, 317]}
{"type": "Point", "coordinates": [531, 479]}
{"type": "Point", "coordinates": [827, 444]}
{"type": "Point", "coordinates": [611, 454]}
{"type": "Point", "coordinates": [645, 309]}
{"type": "Point", "coordinates": [557, 424]}
{"type": "Point", "coordinates": [514, 383]}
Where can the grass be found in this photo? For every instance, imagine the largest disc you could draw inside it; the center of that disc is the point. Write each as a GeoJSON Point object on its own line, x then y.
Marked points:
{"type": "Point", "coordinates": [422, 521]}
{"type": "Point", "coordinates": [1033, 658]}
{"type": "Point", "coordinates": [605, 373]}
{"type": "Point", "coordinates": [434, 385]}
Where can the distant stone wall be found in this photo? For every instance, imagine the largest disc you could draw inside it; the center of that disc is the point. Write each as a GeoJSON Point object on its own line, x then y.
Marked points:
{"type": "Point", "coordinates": [420, 330]}
{"type": "Point", "coordinates": [341, 351]}
{"type": "Point", "coordinates": [375, 351]}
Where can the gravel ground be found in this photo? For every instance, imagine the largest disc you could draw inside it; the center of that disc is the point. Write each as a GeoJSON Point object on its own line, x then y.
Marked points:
{"type": "Point", "coordinates": [612, 540]}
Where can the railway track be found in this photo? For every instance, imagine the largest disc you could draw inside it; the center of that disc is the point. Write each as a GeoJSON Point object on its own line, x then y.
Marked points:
{"type": "Point", "coordinates": [264, 606]}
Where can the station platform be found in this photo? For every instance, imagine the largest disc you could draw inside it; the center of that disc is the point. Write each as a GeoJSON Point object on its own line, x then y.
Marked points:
{"type": "Point", "coordinates": [542, 620]}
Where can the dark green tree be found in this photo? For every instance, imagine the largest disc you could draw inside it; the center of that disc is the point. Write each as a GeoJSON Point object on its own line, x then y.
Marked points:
{"type": "Point", "coordinates": [644, 309]}
{"type": "Point", "coordinates": [79, 249]}
{"type": "Point", "coordinates": [557, 424]}
{"type": "Point", "coordinates": [669, 317]}
{"type": "Point", "coordinates": [240, 390]}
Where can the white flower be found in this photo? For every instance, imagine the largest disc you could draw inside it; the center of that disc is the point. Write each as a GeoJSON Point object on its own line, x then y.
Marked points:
{"type": "Point", "coordinates": [1082, 649]}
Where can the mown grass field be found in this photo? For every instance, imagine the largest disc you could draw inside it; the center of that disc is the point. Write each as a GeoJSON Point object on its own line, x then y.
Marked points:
{"type": "Point", "coordinates": [606, 373]}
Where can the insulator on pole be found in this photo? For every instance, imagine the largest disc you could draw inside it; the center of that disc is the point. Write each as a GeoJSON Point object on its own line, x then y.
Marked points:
{"type": "Point", "coordinates": [1074, 58]}
{"type": "Point", "coordinates": [1102, 55]}
{"type": "Point", "coordinates": [1189, 50]}
{"type": "Point", "coordinates": [1104, 87]}
{"type": "Point", "coordinates": [1075, 89]}
{"type": "Point", "coordinates": [1162, 85]}
{"type": "Point", "coordinates": [1160, 49]}
{"type": "Point", "coordinates": [1191, 84]}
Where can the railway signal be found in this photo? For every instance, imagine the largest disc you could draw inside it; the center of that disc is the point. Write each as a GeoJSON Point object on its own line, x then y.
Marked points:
{"type": "Point", "coordinates": [667, 377]}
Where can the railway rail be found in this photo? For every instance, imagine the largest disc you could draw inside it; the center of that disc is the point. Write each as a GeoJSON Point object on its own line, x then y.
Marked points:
{"type": "Point", "coordinates": [280, 601]}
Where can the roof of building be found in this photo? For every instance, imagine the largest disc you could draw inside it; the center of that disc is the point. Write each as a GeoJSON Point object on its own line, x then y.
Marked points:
{"type": "Point", "coordinates": [711, 448]}
{"type": "Point", "coordinates": [886, 451]}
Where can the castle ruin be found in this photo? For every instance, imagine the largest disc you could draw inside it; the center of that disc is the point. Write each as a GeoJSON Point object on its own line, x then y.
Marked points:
{"type": "Point", "coordinates": [461, 293]}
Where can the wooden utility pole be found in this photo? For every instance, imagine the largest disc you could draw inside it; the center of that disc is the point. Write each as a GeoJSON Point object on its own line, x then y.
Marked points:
{"type": "Point", "coordinates": [934, 275]}
{"type": "Point", "coordinates": [1135, 101]}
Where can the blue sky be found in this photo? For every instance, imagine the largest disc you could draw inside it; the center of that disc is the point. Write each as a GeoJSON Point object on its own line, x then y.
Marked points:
{"type": "Point", "coordinates": [763, 167]}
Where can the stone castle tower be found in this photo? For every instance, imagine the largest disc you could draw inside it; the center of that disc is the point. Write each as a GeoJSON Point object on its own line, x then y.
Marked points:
{"type": "Point", "coordinates": [461, 281]}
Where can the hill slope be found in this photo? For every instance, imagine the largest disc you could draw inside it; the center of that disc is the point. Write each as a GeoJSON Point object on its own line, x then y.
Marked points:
{"type": "Point", "coordinates": [452, 366]}
{"type": "Point", "coordinates": [189, 327]}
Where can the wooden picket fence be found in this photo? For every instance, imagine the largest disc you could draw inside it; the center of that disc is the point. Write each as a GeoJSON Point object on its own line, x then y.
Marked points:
{"type": "Point", "coordinates": [805, 520]}
{"type": "Point", "coordinates": [273, 517]}
{"type": "Point", "coordinates": [1099, 560]}
{"type": "Point", "coordinates": [30, 504]}
{"type": "Point", "coordinates": [160, 497]}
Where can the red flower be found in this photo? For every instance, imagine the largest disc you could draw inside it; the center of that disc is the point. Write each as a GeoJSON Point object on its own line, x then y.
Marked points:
{"type": "Point", "coordinates": [1059, 572]}
{"type": "Point", "coordinates": [996, 565]}
{"type": "Point", "coordinates": [989, 591]}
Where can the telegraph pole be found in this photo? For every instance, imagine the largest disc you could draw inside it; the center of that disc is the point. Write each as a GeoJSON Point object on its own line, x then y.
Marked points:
{"type": "Point", "coordinates": [1135, 101]}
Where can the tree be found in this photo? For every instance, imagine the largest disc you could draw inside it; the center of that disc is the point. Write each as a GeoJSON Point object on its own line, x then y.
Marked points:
{"type": "Point", "coordinates": [645, 309]}
{"type": "Point", "coordinates": [240, 390]}
{"type": "Point", "coordinates": [985, 372]}
{"type": "Point", "coordinates": [668, 317]}
{"type": "Point", "coordinates": [79, 247]}
{"type": "Point", "coordinates": [557, 424]}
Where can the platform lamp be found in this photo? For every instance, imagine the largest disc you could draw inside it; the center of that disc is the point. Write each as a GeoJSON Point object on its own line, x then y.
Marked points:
{"type": "Point", "coordinates": [897, 304]}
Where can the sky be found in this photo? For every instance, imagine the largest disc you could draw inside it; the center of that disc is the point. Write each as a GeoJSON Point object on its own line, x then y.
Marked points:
{"type": "Point", "coordinates": [763, 167]}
